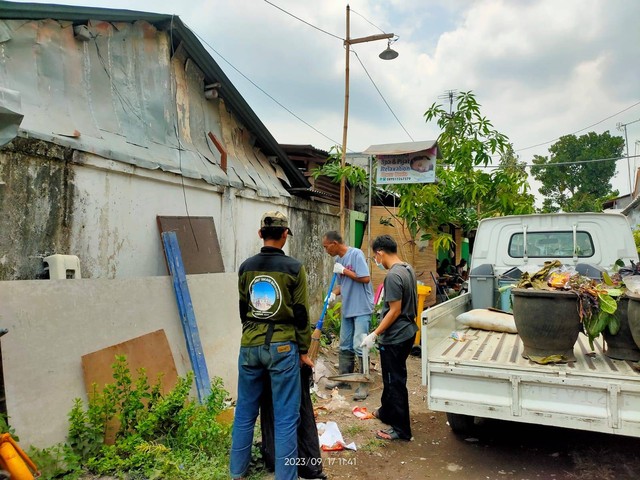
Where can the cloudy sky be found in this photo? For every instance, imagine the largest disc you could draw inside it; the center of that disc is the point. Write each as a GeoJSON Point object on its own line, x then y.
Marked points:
{"type": "Point", "coordinates": [540, 68]}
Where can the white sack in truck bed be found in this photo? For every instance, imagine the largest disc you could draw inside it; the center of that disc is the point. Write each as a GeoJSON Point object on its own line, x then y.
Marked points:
{"type": "Point", "coordinates": [484, 319]}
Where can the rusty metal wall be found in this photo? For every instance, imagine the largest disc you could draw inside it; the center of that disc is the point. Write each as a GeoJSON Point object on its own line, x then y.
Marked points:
{"type": "Point", "coordinates": [124, 95]}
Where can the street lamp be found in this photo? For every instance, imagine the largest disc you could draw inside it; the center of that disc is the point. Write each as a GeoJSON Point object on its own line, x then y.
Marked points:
{"type": "Point", "coordinates": [387, 54]}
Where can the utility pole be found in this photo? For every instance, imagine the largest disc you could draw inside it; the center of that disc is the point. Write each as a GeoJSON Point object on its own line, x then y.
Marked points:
{"type": "Point", "coordinates": [620, 127]}
{"type": "Point", "coordinates": [387, 54]}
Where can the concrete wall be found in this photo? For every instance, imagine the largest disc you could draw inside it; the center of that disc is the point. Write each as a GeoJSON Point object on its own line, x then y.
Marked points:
{"type": "Point", "coordinates": [36, 204]}
{"type": "Point", "coordinates": [68, 202]}
{"type": "Point", "coordinates": [52, 323]}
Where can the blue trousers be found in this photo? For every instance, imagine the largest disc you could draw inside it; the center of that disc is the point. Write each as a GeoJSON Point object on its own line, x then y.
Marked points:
{"type": "Point", "coordinates": [281, 361]}
{"type": "Point", "coordinates": [352, 332]}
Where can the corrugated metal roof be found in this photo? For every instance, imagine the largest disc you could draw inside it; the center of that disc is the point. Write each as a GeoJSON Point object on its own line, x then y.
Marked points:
{"type": "Point", "coordinates": [116, 94]}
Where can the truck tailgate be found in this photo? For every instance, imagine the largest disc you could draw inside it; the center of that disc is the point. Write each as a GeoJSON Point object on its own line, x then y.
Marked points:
{"type": "Point", "coordinates": [486, 376]}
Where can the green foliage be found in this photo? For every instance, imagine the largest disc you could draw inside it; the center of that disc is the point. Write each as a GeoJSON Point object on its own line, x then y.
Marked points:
{"type": "Point", "coordinates": [6, 428]}
{"type": "Point", "coordinates": [578, 187]}
{"type": "Point", "coordinates": [159, 436]}
{"type": "Point", "coordinates": [464, 194]}
{"type": "Point", "coordinates": [86, 429]}
{"type": "Point", "coordinates": [636, 238]}
{"type": "Point", "coordinates": [56, 461]}
{"type": "Point", "coordinates": [353, 175]}
{"type": "Point", "coordinates": [332, 322]}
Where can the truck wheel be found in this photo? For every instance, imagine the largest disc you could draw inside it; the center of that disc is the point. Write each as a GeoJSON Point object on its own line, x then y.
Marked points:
{"type": "Point", "coordinates": [461, 424]}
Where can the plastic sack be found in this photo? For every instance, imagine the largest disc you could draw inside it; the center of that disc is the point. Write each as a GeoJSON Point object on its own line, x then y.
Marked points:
{"type": "Point", "coordinates": [485, 319]}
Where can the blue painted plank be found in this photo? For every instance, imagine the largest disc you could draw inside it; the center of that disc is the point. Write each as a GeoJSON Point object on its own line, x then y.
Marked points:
{"type": "Point", "coordinates": [187, 315]}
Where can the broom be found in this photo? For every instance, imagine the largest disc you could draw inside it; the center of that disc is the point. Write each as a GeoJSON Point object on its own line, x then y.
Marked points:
{"type": "Point", "coordinates": [314, 348]}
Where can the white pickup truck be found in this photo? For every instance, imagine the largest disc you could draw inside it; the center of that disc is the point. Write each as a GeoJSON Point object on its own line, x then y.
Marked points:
{"type": "Point", "coordinates": [485, 376]}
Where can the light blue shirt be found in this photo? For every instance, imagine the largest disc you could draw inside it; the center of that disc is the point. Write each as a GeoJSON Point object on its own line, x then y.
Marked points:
{"type": "Point", "coordinates": [357, 298]}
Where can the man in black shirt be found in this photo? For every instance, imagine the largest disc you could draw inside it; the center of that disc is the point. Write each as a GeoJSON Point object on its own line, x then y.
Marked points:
{"type": "Point", "coordinates": [395, 336]}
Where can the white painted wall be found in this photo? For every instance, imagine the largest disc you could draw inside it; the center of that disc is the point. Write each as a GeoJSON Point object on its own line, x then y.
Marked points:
{"type": "Point", "coordinates": [114, 228]}
{"type": "Point", "coordinates": [52, 323]}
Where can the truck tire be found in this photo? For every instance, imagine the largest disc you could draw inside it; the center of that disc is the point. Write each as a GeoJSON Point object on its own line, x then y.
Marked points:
{"type": "Point", "coordinates": [461, 424]}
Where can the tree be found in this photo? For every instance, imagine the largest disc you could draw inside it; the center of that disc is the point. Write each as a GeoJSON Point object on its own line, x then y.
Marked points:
{"type": "Point", "coordinates": [578, 187]}
{"type": "Point", "coordinates": [465, 193]}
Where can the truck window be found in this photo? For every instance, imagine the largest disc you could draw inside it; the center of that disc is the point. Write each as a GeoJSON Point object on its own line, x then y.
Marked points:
{"type": "Point", "coordinates": [551, 244]}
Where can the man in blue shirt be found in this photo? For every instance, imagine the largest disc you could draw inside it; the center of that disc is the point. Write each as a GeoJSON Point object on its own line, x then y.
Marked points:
{"type": "Point", "coordinates": [354, 285]}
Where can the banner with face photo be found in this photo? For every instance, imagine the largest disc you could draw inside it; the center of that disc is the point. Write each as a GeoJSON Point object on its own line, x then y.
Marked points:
{"type": "Point", "coordinates": [415, 167]}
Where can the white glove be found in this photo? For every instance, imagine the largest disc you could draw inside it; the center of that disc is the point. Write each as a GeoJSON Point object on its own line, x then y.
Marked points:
{"type": "Point", "coordinates": [338, 268]}
{"type": "Point", "coordinates": [369, 341]}
{"type": "Point", "coordinates": [331, 298]}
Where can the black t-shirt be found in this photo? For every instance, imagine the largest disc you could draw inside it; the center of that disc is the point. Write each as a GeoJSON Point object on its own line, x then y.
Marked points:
{"type": "Point", "coordinates": [400, 284]}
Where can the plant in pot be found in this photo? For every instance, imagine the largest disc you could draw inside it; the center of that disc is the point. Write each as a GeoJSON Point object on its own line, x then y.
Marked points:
{"type": "Point", "coordinates": [597, 305]}
{"type": "Point", "coordinates": [553, 305]}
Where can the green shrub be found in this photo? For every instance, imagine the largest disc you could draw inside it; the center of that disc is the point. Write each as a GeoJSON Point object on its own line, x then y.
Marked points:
{"type": "Point", "coordinates": [167, 436]}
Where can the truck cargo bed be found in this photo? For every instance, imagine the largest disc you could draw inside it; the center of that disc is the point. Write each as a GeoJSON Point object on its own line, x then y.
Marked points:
{"type": "Point", "coordinates": [486, 376]}
{"type": "Point", "coordinates": [491, 348]}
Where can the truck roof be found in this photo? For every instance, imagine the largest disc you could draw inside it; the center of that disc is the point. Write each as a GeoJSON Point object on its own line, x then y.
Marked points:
{"type": "Point", "coordinates": [594, 238]}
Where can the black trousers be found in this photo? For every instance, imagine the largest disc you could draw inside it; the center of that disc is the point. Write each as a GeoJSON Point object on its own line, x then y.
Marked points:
{"type": "Point", "coordinates": [394, 410]}
{"type": "Point", "coordinates": [310, 464]}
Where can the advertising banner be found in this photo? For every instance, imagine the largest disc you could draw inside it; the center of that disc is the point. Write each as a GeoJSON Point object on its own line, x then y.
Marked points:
{"type": "Point", "coordinates": [414, 167]}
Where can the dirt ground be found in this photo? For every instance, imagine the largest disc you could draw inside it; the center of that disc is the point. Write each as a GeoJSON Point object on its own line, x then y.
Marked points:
{"type": "Point", "coordinates": [498, 450]}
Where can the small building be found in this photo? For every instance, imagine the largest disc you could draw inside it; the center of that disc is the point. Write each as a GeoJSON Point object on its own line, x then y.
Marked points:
{"type": "Point", "coordinates": [116, 126]}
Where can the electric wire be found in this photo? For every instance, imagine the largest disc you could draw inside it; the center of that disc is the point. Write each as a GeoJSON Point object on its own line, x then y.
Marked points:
{"type": "Point", "coordinates": [304, 21]}
{"type": "Point", "coordinates": [367, 20]}
{"type": "Point", "coordinates": [562, 164]}
{"type": "Point", "coordinates": [126, 105]}
{"type": "Point", "coordinates": [382, 96]}
{"type": "Point", "coordinates": [180, 148]}
{"type": "Point", "coordinates": [264, 91]}
{"type": "Point", "coordinates": [582, 129]}
{"type": "Point", "coordinates": [352, 50]}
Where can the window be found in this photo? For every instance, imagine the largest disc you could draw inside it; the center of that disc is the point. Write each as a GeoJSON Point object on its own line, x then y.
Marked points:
{"type": "Point", "coordinates": [551, 244]}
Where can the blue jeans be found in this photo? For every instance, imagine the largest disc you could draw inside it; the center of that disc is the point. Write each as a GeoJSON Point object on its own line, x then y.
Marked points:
{"type": "Point", "coordinates": [352, 332]}
{"type": "Point", "coordinates": [282, 362]}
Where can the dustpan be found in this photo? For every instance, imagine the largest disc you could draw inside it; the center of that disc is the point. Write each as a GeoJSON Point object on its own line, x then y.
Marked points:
{"type": "Point", "coordinates": [356, 377]}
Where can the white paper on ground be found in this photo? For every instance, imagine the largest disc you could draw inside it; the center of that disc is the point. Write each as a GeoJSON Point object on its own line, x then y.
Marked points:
{"type": "Point", "coordinates": [329, 434]}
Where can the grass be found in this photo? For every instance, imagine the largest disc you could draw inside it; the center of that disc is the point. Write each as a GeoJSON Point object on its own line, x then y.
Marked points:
{"type": "Point", "coordinates": [352, 430]}
{"type": "Point", "coordinates": [372, 445]}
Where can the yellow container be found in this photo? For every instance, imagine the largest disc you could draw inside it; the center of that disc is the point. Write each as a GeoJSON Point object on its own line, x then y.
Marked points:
{"type": "Point", "coordinates": [15, 461]}
{"type": "Point", "coordinates": [423, 292]}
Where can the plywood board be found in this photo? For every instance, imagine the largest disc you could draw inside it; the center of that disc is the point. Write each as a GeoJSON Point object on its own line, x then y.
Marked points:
{"type": "Point", "coordinates": [150, 351]}
{"type": "Point", "coordinates": [198, 243]}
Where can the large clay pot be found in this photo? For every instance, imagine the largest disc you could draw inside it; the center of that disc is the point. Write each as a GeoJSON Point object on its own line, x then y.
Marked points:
{"type": "Point", "coordinates": [548, 323]}
{"type": "Point", "coordinates": [622, 346]}
{"type": "Point", "coordinates": [633, 316]}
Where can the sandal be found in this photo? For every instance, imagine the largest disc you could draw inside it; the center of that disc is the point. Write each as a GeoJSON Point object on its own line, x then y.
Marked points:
{"type": "Point", "coordinates": [376, 413]}
{"type": "Point", "coordinates": [388, 434]}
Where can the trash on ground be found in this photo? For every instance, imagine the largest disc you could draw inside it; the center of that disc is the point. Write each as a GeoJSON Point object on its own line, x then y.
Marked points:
{"type": "Point", "coordinates": [337, 402]}
{"type": "Point", "coordinates": [331, 438]}
{"type": "Point", "coordinates": [320, 369]}
{"type": "Point", "coordinates": [362, 413]}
